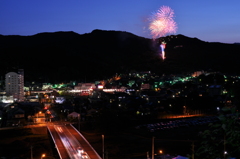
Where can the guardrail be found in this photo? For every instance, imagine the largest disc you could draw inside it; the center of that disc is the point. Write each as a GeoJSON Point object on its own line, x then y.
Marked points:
{"type": "Point", "coordinates": [55, 144]}
{"type": "Point", "coordinates": [86, 141]}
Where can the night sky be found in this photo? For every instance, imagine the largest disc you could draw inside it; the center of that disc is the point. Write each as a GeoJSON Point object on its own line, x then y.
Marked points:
{"type": "Point", "coordinates": [208, 20]}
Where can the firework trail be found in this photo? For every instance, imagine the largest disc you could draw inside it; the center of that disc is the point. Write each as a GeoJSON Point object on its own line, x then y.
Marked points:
{"type": "Point", "coordinates": [163, 45]}
{"type": "Point", "coordinates": [162, 23]}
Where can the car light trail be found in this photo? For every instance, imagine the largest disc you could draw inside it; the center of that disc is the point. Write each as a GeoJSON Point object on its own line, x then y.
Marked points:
{"type": "Point", "coordinates": [71, 144]}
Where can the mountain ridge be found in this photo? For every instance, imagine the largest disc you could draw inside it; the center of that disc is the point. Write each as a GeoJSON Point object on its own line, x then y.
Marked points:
{"type": "Point", "coordinates": [60, 56]}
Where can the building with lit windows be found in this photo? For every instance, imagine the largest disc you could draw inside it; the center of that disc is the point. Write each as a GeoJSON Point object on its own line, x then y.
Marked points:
{"type": "Point", "coordinates": [6, 99]}
{"type": "Point", "coordinates": [85, 86]}
{"type": "Point", "coordinates": [14, 85]}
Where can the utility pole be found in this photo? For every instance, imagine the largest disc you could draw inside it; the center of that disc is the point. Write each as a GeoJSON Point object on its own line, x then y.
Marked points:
{"type": "Point", "coordinates": [31, 152]}
{"type": "Point", "coordinates": [224, 147]}
{"type": "Point", "coordinates": [153, 147]}
{"type": "Point", "coordinates": [193, 150]}
{"type": "Point", "coordinates": [102, 146]}
{"type": "Point", "coordinates": [106, 154]}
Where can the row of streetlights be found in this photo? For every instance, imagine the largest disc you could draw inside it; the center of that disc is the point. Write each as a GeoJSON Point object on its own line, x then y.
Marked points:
{"type": "Point", "coordinates": [160, 151]}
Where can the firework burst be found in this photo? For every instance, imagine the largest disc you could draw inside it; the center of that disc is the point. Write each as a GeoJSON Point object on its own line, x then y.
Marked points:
{"type": "Point", "coordinates": [162, 23]}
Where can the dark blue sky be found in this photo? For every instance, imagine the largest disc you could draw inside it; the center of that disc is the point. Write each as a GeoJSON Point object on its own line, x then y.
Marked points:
{"type": "Point", "coordinates": [208, 20]}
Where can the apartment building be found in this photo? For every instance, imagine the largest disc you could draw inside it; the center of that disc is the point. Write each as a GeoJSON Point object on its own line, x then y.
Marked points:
{"type": "Point", "coordinates": [14, 85]}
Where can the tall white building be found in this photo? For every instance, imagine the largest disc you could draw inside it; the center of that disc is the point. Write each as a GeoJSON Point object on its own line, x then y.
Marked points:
{"type": "Point", "coordinates": [14, 83]}
{"type": "Point", "coordinates": [21, 84]}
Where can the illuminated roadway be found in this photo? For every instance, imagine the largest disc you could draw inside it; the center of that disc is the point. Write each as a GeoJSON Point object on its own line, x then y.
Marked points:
{"type": "Point", "coordinates": [68, 141]}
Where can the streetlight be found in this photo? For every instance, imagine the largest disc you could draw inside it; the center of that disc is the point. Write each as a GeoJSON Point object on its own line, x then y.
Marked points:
{"type": "Point", "coordinates": [225, 154]}
{"type": "Point", "coordinates": [43, 155]}
{"type": "Point", "coordinates": [161, 152]}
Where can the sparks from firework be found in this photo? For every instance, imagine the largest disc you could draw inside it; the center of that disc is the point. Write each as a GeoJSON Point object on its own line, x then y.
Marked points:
{"type": "Point", "coordinates": [163, 45]}
{"type": "Point", "coordinates": [162, 23]}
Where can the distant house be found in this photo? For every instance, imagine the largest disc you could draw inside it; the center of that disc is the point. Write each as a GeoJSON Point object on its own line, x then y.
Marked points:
{"type": "Point", "coordinates": [145, 86]}
{"type": "Point", "coordinates": [73, 115]}
{"type": "Point", "coordinates": [92, 112]}
{"type": "Point", "coordinates": [14, 115]}
{"type": "Point", "coordinates": [19, 113]}
{"type": "Point", "coordinates": [85, 86]}
{"type": "Point", "coordinates": [32, 99]}
{"type": "Point", "coordinates": [14, 112]}
{"type": "Point", "coordinates": [40, 117]}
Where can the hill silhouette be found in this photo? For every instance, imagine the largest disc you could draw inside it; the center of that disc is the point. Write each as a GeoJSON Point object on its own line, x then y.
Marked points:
{"type": "Point", "coordinates": [64, 56]}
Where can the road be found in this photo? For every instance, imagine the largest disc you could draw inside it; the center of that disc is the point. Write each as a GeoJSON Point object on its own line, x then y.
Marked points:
{"type": "Point", "coordinates": [69, 142]}
{"type": "Point", "coordinates": [58, 143]}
